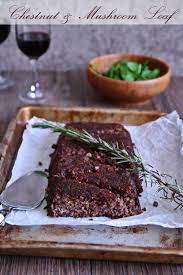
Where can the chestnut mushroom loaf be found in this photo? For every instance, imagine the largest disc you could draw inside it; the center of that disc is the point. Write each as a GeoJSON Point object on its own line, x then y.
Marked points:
{"type": "Point", "coordinates": [84, 182]}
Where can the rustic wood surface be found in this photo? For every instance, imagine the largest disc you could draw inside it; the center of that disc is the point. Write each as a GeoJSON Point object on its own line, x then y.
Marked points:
{"type": "Point", "coordinates": [71, 89]}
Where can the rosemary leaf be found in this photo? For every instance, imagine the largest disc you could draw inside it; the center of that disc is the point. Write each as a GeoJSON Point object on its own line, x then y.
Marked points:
{"type": "Point", "coordinates": [41, 173]}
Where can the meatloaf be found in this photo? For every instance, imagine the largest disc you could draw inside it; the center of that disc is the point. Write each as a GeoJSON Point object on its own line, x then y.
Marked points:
{"type": "Point", "coordinates": [84, 182]}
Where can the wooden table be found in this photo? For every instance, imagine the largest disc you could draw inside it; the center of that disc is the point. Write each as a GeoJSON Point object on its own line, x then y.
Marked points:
{"type": "Point", "coordinates": [71, 89]}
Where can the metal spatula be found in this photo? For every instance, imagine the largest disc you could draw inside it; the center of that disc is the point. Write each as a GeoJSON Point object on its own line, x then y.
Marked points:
{"type": "Point", "coordinates": [26, 193]}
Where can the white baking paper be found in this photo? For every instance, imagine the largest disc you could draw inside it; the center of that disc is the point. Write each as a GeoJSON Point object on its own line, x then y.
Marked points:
{"type": "Point", "coordinates": [160, 143]}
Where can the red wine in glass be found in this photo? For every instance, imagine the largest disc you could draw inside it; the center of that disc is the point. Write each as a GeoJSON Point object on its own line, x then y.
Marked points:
{"type": "Point", "coordinates": [4, 32]}
{"type": "Point", "coordinates": [33, 41]}
{"type": "Point", "coordinates": [33, 44]}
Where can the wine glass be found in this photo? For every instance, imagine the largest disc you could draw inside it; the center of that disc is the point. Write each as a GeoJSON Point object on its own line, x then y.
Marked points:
{"type": "Point", "coordinates": [33, 41]}
{"type": "Point", "coordinates": [4, 32]}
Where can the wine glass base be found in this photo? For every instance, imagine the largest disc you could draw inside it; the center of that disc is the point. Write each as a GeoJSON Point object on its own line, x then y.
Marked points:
{"type": "Point", "coordinates": [33, 97]}
{"type": "Point", "coordinates": [5, 83]}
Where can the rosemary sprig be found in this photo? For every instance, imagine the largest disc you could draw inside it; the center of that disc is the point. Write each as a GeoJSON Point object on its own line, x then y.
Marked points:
{"type": "Point", "coordinates": [170, 191]}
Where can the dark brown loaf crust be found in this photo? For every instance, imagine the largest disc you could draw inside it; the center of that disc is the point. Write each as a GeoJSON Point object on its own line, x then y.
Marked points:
{"type": "Point", "coordinates": [87, 183]}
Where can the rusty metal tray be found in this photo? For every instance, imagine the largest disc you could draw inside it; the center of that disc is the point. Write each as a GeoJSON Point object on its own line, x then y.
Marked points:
{"type": "Point", "coordinates": [149, 243]}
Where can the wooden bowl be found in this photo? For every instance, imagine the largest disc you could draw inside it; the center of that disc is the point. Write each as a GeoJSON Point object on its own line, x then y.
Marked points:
{"type": "Point", "coordinates": [128, 92]}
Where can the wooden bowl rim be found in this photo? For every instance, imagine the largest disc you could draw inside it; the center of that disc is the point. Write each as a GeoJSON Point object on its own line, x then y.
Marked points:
{"type": "Point", "coordinates": [160, 78]}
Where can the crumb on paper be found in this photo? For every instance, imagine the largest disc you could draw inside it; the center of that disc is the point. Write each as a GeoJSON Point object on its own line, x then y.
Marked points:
{"type": "Point", "coordinates": [155, 204]}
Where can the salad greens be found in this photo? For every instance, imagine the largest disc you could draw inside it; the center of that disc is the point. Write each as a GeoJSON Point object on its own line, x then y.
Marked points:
{"type": "Point", "coordinates": [132, 71]}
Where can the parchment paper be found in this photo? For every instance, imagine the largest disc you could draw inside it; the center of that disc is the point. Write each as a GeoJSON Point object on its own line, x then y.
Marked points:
{"type": "Point", "coordinates": [160, 143]}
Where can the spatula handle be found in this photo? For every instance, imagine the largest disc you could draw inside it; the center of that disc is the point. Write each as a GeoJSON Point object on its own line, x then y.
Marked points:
{"type": "Point", "coordinates": [3, 213]}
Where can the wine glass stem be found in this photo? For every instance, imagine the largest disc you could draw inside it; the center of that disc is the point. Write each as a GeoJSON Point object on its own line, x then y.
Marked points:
{"type": "Point", "coordinates": [35, 85]}
{"type": "Point", "coordinates": [2, 79]}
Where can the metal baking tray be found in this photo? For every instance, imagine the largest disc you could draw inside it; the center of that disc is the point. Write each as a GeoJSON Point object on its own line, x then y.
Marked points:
{"type": "Point", "coordinates": [142, 243]}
